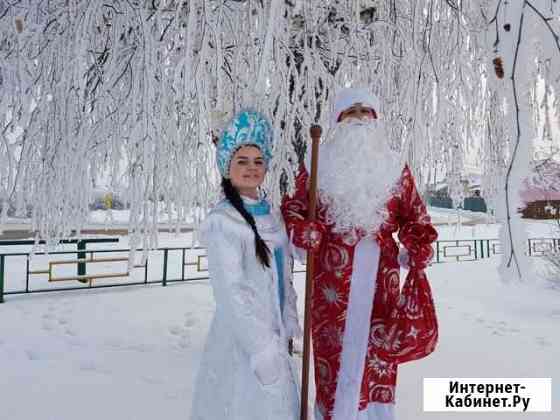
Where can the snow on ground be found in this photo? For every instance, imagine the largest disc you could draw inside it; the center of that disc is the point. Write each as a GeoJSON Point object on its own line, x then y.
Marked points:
{"type": "Point", "coordinates": [442, 216]}
{"type": "Point", "coordinates": [487, 329]}
{"type": "Point", "coordinates": [534, 229]}
{"type": "Point", "coordinates": [106, 354]}
{"type": "Point", "coordinates": [131, 353]}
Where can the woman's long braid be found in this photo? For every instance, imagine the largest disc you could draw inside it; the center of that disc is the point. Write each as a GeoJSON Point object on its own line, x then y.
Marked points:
{"type": "Point", "coordinates": [233, 196]}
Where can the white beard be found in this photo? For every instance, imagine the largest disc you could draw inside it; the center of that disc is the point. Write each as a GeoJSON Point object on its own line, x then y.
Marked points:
{"type": "Point", "coordinates": [357, 174]}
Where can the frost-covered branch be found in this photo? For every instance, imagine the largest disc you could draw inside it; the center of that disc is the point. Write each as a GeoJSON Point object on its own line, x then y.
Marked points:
{"type": "Point", "coordinates": [513, 257]}
{"type": "Point", "coordinates": [120, 95]}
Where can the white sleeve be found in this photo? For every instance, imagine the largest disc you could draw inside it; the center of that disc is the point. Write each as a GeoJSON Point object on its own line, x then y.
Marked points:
{"type": "Point", "coordinates": [233, 291]}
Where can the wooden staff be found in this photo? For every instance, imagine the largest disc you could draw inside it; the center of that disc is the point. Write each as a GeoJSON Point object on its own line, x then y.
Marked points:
{"type": "Point", "coordinates": [315, 132]}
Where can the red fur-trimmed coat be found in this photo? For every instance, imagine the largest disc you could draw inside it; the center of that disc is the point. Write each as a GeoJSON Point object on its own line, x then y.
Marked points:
{"type": "Point", "coordinates": [403, 322]}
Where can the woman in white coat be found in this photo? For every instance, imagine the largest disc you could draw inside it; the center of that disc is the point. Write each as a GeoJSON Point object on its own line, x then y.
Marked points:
{"type": "Point", "coordinates": [246, 371]}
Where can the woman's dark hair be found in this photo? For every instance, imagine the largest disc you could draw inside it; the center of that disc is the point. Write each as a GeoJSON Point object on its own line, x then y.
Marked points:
{"type": "Point", "coordinates": [233, 196]}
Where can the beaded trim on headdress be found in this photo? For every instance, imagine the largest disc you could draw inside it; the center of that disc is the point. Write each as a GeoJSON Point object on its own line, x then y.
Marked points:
{"type": "Point", "coordinates": [246, 128]}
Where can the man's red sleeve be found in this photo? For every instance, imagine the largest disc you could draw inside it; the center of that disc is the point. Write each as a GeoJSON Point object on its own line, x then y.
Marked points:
{"type": "Point", "coordinates": [411, 328]}
{"type": "Point", "coordinates": [294, 208]}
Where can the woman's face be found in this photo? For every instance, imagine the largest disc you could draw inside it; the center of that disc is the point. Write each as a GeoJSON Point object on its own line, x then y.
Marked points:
{"type": "Point", "coordinates": [247, 170]}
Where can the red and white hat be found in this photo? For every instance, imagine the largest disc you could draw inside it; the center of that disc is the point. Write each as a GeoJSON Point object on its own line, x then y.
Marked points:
{"type": "Point", "coordinates": [347, 97]}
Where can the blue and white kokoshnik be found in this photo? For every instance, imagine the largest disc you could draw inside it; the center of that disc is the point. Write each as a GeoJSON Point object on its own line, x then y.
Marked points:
{"type": "Point", "coordinates": [246, 128]}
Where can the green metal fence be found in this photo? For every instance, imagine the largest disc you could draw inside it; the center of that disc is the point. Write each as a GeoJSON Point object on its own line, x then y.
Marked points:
{"type": "Point", "coordinates": [85, 279]}
{"type": "Point", "coordinates": [192, 265]}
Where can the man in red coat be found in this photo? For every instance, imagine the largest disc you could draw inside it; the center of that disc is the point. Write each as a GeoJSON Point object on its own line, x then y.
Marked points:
{"type": "Point", "coordinates": [363, 325]}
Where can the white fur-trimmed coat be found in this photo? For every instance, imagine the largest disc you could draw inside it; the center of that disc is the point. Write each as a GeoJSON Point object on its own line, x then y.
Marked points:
{"type": "Point", "coordinates": [246, 372]}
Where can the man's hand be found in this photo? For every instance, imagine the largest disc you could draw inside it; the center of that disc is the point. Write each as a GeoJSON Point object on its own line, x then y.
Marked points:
{"type": "Point", "coordinates": [308, 235]}
{"type": "Point", "coordinates": [417, 239]}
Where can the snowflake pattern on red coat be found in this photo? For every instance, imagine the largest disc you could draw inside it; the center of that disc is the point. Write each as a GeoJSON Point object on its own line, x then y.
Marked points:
{"type": "Point", "coordinates": [403, 322]}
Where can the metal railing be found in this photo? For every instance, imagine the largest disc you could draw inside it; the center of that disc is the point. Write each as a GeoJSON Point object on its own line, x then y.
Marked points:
{"type": "Point", "coordinates": [193, 260]}
{"type": "Point", "coordinates": [92, 279]}
{"type": "Point", "coordinates": [477, 249]}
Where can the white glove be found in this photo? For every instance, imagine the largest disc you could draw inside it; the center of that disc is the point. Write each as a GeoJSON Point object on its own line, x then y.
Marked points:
{"type": "Point", "coordinates": [267, 363]}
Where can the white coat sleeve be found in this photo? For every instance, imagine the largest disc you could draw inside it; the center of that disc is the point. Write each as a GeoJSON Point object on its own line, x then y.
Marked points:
{"type": "Point", "coordinates": [237, 295]}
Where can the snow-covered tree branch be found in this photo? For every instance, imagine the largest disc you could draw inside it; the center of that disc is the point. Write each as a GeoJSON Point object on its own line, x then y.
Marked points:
{"type": "Point", "coordinates": [122, 93]}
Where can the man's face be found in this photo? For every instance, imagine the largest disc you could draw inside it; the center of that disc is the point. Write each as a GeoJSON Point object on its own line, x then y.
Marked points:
{"type": "Point", "coordinates": [358, 112]}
